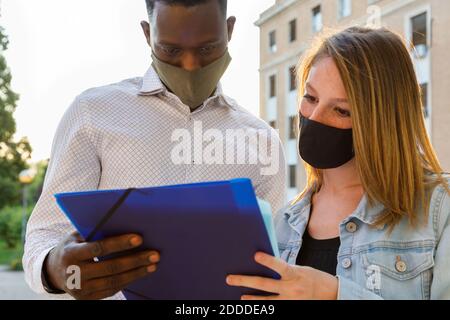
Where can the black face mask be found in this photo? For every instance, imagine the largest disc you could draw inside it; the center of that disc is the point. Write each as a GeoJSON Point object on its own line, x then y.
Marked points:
{"type": "Point", "coordinates": [325, 147]}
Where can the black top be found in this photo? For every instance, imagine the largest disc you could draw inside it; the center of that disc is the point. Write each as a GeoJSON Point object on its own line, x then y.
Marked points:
{"type": "Point", "coordinates": [319, 254]}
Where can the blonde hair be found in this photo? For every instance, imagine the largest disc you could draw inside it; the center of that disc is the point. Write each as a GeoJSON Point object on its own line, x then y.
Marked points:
{"type": "Point", "coordinates": [394, 156]}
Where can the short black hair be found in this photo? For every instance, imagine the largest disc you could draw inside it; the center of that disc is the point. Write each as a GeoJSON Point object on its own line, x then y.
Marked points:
{"type": "Point", "coordinates": [186, 3]}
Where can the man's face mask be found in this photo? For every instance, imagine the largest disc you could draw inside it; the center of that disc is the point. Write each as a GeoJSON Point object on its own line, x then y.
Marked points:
{"type": "Point", "coordinates": [192, 87]}
{"type": "Point", "coordinates": [325, 147]}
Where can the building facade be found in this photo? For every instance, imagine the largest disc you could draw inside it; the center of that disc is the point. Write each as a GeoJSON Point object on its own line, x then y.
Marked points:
{"type": "Point", "coordinates": [287, 28]}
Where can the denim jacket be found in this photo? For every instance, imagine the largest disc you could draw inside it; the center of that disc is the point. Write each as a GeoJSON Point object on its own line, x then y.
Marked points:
{"type": "Point", "coordinates": [409, 263]}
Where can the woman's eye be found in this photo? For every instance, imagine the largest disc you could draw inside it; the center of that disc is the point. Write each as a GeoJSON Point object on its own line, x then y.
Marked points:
{"type": "Point", "coordinates": [343, 112]}
{"type": "Point", "coordinates": [310, 98]}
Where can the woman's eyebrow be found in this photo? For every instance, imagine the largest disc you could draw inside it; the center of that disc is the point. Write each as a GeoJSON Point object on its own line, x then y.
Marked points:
{"type": "Point", "coordinates": [340, 100]}
{"type": "Point", "coordinates": [335, 100]}
{"type": "Point", "coordinates": [310, 87]}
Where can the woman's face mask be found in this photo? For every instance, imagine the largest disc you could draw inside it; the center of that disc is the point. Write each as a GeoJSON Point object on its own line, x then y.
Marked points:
{"type": "Point", "coordinates": [325, 147]}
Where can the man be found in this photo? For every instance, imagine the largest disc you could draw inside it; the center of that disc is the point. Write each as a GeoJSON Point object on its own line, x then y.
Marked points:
{"type": "Point", "coordinates": [122, 136]}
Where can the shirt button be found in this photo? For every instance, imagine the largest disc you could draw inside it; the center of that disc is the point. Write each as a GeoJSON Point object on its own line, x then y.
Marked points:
{"type": "Point", "coordinates": [351, 227]}
{"type": "Point", "coordinates": [400, 265]}
{"type": "Point", "coordinates": [346, 263]}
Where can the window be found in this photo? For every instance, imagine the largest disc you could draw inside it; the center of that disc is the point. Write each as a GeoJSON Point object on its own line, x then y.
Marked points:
{"type": "Point", "coordinates": [273, 124]}
{"type": "Point", "coordinates": [272, 86]}
{"type": "Point", "coordinates": [292, 79]}
{"type": "Point", "coordinates": [317, 19]}
{"type": "Point", "coordinates": [424, 91]}
{"type": "Point", "coordinates": [292, 128]}
{"type": "Point", "coordinates": [419, 29]}
{"type": "Point", "coordinates": [292, 30]}
{"type": "Point", "coordinates": [273, 41]}
{"type": "Point", "coordinates": [345, 8]}
{"type": "Point", "coordinates": [419, 34]}
{"type": "Point", "coordinates": [292, 176]}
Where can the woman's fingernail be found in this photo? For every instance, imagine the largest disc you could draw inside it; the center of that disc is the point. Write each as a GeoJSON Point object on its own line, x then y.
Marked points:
{"type": "Point", "coordinates": [153, 258]}
{"type": "Point", "coordinates": [151, 268]}
{"type": "Point", "coordinates": [135, 241]}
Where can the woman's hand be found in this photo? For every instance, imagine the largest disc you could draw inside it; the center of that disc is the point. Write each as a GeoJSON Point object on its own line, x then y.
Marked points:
{"type": "Point", "coordinates": [296, 283]}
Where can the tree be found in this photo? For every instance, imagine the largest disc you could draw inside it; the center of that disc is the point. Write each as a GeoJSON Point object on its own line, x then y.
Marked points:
{"type": "Point", "coordinates": [13, 154]}
{"type": "Point", "coordinates": [35, 188]}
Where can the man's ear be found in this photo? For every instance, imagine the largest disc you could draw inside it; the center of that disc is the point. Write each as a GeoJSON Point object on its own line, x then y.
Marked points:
{"type": "Point", "coordinates": [230, 26]}
{"type": "Point", "coordinates": [146, 28]}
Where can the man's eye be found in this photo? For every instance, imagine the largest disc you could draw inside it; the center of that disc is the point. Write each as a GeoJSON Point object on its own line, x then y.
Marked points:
{"type": "Point", "coordinates": [310, 98]}
{"type": "Point", "coordinates": [207, 50]}
{"type": "Point", "coordinates": [171, 51]}
{"type": "Point", "coordinates": [343, 112]}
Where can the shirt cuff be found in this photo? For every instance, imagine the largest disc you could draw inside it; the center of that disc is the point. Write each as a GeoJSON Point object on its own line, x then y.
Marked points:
{"type": "Point", "coordinates": [38, 284]}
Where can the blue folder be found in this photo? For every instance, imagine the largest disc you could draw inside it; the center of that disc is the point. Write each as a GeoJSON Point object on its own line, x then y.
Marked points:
{"type": "Point", "coordinates": [203, 231]}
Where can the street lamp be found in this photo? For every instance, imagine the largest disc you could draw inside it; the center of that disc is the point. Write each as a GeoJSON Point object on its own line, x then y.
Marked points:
{"type": "Point", "coordinates": [26, 177]}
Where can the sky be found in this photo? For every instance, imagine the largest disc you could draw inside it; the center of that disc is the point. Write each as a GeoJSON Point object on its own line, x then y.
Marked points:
{"type": "Point", "coordinates": [58, 49]}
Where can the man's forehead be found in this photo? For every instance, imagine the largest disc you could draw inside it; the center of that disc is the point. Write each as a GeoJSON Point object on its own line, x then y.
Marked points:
{"type": "Point", "coordinates": [198, 24]}
{"type": "Point", "coordinates": [208, 9]}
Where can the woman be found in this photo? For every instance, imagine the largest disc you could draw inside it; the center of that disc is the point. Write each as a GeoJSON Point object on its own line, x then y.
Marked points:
{"type": "Point", "coordinates": [374, 219]}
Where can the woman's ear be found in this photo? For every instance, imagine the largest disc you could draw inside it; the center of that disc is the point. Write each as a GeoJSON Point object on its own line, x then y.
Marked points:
{"type": "Point", "coordinates": [146, 28]}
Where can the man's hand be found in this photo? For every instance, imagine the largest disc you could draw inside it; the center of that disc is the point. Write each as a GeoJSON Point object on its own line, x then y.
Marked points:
{"type": "Point", "coordinates": [103, 279]}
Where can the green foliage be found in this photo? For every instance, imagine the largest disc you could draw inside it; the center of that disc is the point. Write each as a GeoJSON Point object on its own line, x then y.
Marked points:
{"type": "Point", "coordinates": [13, 159]}
{"type": "Point", "coordinates": [8, 98]}
{"type": "Point", "coordinates": [11, 225]}
{"type": "Point", "coordinates": [11, 221]}
{"type": "Point", "coordinates": [35, 188]}
{"type": "Point", "coordinates": [16, 264]}
{"type": "Point", "coordinates": [12, 162]}
{"type": "Point", "coordinates": [13, 154]}
{"type": "Point", "coordinates": [9, 255]}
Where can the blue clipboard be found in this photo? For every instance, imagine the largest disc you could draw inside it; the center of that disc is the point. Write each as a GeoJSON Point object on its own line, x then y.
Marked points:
{"type": "Point", "coordinates": [203, 231]}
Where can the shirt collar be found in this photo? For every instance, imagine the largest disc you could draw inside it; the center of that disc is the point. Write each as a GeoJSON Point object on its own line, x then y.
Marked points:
{"type": "Point", "coordinates": [152, 85]}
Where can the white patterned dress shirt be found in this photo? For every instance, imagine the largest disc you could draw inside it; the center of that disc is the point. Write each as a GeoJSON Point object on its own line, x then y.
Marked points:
{"type": "Point", "coordinates": [121, 136]}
